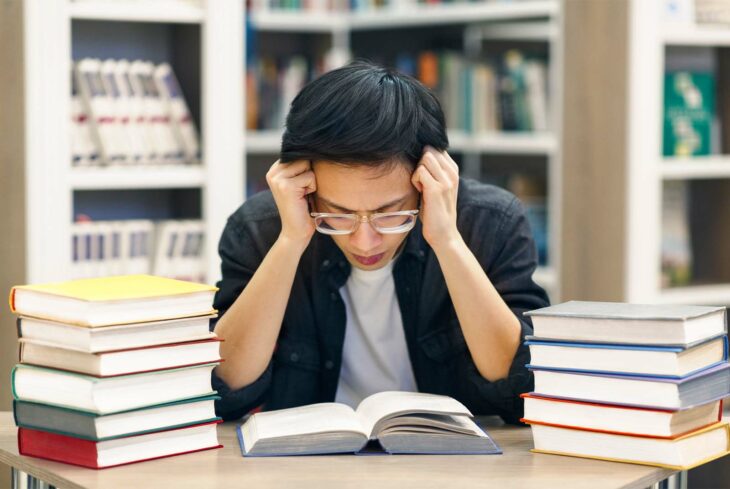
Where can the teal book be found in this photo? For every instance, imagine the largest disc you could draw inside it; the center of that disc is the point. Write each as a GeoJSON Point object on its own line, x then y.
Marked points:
{"type": "Point", "coordinates": [689, 108]}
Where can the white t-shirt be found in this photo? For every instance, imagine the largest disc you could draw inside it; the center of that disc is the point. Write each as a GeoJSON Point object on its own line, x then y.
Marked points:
{"type": "Point", "coordinates": [375, 355]}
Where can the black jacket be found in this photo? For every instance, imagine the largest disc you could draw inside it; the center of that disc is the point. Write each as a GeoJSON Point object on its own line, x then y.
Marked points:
{"type": "Point", "coordinates": [306, 363]}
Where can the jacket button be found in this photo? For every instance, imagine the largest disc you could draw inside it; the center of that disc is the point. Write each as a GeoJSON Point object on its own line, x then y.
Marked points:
{"type": "Point", "coordinates": [333, 296]}
{"type": "Point", "coordinates": [329, 364]}
{"type": "Point", "coordinates": [325, 263]}
{"type": "Point", "coordinates": [294, 357]}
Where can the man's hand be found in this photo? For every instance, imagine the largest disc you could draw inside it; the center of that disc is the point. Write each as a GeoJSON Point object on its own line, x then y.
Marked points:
{"type": "Point", "coordinates": [290, 184]}
{"type": "Point", "coordinates": [437, 178]}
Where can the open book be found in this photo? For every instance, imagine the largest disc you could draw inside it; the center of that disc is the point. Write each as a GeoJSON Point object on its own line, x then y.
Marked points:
{"type": "Point", "coordinates": [402, 422]}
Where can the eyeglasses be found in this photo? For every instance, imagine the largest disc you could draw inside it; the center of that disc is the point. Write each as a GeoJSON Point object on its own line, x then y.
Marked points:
{"type": "Point", "coordinates": [382, 222]}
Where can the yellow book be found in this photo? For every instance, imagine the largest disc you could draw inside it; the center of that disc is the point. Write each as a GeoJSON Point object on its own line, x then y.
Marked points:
{"type": "Point", "coordinates": [113, 300]}
{"type": "Point", "coordinates": [682, 453]}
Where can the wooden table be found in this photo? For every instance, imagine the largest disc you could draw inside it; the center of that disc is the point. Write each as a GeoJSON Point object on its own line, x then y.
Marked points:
{"type": "Point", "coordinates": [516, 468]}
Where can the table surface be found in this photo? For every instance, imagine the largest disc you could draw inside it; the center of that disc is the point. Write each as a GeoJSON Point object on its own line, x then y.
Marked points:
{"type": "Point", "coordinates": [225, 467]}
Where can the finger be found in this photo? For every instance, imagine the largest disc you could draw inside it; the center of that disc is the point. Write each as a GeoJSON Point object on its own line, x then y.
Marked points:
{"type": "Point", "coordinates": [453, 168]}
{"type": "Point", "coordinates": [305, 182]}
{"type": "Point", "coordinates": [416, 180]}
{"type": "Point", "coordinates": [426, 178]}
{"type": "Point", "coordinates": [431, 161]}
{"type": "Point", "coordinates": [288, 170]}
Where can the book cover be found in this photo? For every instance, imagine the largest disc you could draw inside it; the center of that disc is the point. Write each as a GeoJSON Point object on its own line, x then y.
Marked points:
{"type": "Point", "coordinates": [689, 108]}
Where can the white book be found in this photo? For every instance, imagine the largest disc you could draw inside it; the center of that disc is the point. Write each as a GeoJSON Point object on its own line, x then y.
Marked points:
{"type": "Point", "coordinates": [191, 260]}
{"type": "Point", "coordinates": [168, 245]}
{"type": "Point", "coordinates": [106, 338]}
{"type": "Point", "coordinates": [402, 422]}
{"type": "Point", "coordinates": [181, 120]}
{"type": "Point", "coordinates": [137, 246]}
{"type": "Point", "coordinates": [114, 232]}
{"type": "Point", "coordinates": [292, 81]}
{"type": "Point", "coordinates": [536, 84]}
{"type": "Point", "coordinates": [112, 394]}
{"type": "Point", "coordinates": [681, 453]}
{"type": "Point", "coordinates": [617, 322]}
{"type": "Point", "coordinates": [120, 105]}
{"type": "Point", "coordinates": [140, 126]}
{"type": "Point", "coordinates": [100, 106]}
{"type": "Point", "coordinates": [619, 419]}
{"type": "Point", "coordinates": [84, 150]}
{"type": "Point", "coordinates": [164, 138]}
{"type": "Point", "coordinates": [78, 252]}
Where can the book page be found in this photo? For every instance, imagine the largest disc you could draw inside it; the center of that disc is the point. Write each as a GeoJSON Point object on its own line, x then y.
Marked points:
{"type": "Point", "coordinates": [314, 418]}
{"type": "Point", "coordinates": [384, 404]}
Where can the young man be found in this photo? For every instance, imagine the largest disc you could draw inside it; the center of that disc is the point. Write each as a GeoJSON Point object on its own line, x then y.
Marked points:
{"type": "Point", "coordinates": [370, 265]}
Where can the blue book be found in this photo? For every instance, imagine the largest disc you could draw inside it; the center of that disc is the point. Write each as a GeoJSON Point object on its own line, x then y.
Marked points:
{"type": "Point", "coordinates": [643, 360]}
{"type": "Point", "coordinates": [387, 422]}
{"type": "Point", "coordinates": [708, 385]}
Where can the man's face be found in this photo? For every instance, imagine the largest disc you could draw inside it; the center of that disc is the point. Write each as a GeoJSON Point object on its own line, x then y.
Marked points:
{"type": "Point", "coordinates": [364, 190]}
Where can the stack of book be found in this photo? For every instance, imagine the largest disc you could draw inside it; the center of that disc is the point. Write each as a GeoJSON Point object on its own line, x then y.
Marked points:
{"type": "Point", "coordinates": [115, 370]}
{"type": "Point", "coordinates": [631, 383]}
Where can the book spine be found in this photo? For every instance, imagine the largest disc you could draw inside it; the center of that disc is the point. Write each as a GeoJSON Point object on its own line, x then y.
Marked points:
{"type": "Point", "coordinates": [57, 447]}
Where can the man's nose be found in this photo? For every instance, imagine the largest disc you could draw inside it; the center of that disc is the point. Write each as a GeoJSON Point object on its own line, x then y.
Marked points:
{"type": "Point", "coordinates": [365, 237]}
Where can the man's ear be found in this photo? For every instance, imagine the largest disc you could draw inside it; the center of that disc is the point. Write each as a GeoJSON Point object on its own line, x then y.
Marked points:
{"type": "Point", "coordinates": [416, 180]}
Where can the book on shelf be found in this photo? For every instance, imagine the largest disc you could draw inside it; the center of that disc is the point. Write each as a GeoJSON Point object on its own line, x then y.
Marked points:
{"type": "Point", "coordinates": [121, 361]}
{"type": "Point", "coordinates": [119, 451]}
{"type": "Point", "coordinates": [663, 361]}
{"type": "Point", "coordinates": [173, 248]}
{"type": "Point", "coordinates": [676, 253]}
{"type": "Point", "coordinates": [619, 419]}
{"type": "Point", "coordinates": [95, 427]}
{"type": "Point", "coordinates": [477, 96]}
{"type": "Point", "coordinates": [689, 109]}
{"type": "Point", "coordinates": [107, 395]}
{"type": "Point", "coordinates": [134, 112]}
{"type": "Point", "coordinates": [118, 337]}
{"type": "Point", "coordinates": [681, 453]}
{"type": "Point", "coordinates": [113, 300]}
{"type": "Point", "coordinates": [532, 191]}
{"type": "Point", "coordinates": [401, 422]}
{"type": "Point", "coordinates": [639, 324]}
{"type": "Point", "coordinates": [713, 12]}
{"type": "Point", "coordinates": [705, 386]}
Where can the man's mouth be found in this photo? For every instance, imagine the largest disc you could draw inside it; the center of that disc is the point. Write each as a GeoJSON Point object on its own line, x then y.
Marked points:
{"type": "Point", "coordinates": [369, 260]}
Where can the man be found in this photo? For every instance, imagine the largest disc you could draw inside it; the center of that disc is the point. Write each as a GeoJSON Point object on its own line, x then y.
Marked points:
{"type": "Point", "coordinates": [370, 265]}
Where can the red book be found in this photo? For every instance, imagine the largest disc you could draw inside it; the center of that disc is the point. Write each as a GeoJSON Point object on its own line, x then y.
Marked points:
{"type": "Point", "coordinates": [103, 454]}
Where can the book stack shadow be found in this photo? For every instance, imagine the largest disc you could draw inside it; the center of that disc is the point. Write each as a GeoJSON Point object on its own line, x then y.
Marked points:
{"type": "Point", "coordinates": [629, 383]}
{"type": "Point", "coordinates": [114, 370]}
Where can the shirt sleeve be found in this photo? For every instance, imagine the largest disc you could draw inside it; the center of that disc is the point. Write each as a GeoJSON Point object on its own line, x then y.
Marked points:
{"type": "Point", "coordinates": [510, 265]}
{"type": "Point", "coordinates": [240, 257]}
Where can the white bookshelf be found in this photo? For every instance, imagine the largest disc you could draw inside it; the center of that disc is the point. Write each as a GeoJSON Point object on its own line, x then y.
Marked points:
{"type": "Point", "coordinates": [50, 181]}
{"type": "Point", "coordinates": [648, 169]}
{"type": "Point", "coordinates": [523, 21]}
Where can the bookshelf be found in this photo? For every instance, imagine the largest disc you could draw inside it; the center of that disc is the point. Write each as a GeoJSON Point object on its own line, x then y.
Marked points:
{"type": "Point", "coordinates": [621, 178]}
{"type": "Point", "coordinates": [42, 192]}
{"type": "Point", "coordinates": [470, 27]}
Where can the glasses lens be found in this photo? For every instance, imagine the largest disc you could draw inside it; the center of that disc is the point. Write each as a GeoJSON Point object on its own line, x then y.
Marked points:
{"type": "Point", "coordinates": [394, 223]}
{"type": "Point", "coordinates": [334, 224]}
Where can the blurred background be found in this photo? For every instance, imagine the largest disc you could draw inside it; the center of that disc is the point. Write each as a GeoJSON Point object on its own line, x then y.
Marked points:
{"type": "Point", "coordinates": [131, 129]}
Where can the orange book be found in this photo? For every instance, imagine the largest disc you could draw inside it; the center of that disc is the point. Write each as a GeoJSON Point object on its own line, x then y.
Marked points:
{"type": "Point", "coordinates": [617, 419]}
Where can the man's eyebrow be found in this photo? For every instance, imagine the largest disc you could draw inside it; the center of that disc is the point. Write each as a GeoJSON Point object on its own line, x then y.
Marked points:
{"type": "Point", "coordinates": [350, 211]}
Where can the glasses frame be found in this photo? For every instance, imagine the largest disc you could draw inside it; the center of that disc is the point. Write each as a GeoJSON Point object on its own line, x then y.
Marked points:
{"type": "Point", "coordinates": [358, 219]}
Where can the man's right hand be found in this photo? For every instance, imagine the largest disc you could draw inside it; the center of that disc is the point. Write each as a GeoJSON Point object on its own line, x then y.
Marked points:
{"type": "Point", "coordinates": [291, 183]}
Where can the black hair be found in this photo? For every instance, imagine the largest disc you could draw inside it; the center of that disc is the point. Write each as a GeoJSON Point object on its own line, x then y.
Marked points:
{"type": "Point", "coordinates": [363, 114]}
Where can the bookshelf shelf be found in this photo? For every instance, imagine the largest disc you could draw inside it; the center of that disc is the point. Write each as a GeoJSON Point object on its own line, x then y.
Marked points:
{"type": "Point", "coordinates": [693, 35]}
{"type": "Point", "coordinates": [137, 178]}
{"type": "Point", "coordinates": [456, 13]}
{"type": "Point", "coordinates": [697, 167]}
{"type": "Point", "coordinates": [696, 294]}
{"type": "Point", "coordinates": [506, 143]}
{"type": "Point", "coordinates": [162, 11]}
{"type": "Point", "coordinates": [267, 142]}
{"type": "Point", "coordinates": [418, 16]}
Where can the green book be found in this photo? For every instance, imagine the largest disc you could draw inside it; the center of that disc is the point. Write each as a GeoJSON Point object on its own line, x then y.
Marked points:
{"type": "Point", "coordinates": [689, 108]}
{"type": "Point", "coordinates": [95, 427]}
